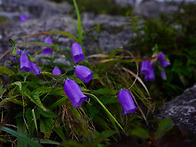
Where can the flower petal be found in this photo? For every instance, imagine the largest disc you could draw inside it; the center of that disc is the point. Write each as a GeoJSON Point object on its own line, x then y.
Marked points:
{"type": "Point", "coordinates": [77, 52]}
{"type": "Point", "coordinates": [83, 73]}
{"type": "Point", "coordinates": [45, 49]}
{"type": "Point", "coordinates": [25, 64]}
{"type": "Point", "coordinates": [126, 101]}
{"type": "Point", "coordinates": [74, 93]}
{"type": "Point", "coordinates": [162, 60]}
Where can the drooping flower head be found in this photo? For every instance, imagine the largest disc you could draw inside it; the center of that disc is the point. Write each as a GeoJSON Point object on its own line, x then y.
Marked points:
{"type": "Point", "coordinates": [25, 63]}
{"type": "Point", "coordinates": [126, 101]}
{"type": "Point", "coordinates": [35, 68]}
{"type": "Point", "coordinates": [74, 93]}
{"type": "Point", "coordinates": [147, 70]}
{"type": "Point", "coordinates": [83, 73]}
{"type": "Point", "coordinates": [45, 49]}
{"type": "Point", "coordinates": [77, 53]}
{"type": "Point", "coordinates": [24, 17]}
{"type": "Point", "coordinates": [56, 71]}
{"type": "Point", "coordinates": [162, 60]}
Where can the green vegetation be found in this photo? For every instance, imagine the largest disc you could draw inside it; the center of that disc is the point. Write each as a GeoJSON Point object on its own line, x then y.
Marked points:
{"type": "Point", "coordinates": [36, 111]}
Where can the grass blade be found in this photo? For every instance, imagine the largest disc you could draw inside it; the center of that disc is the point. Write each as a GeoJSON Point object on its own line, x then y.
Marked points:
{"type": "Point", "coordinates": [107, 111]}
{"type": "Point", "coordinates": [20, 136]}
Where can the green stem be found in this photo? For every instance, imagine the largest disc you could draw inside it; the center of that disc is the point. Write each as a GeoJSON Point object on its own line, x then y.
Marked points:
{"type": "Point", "coordinates": [107, 111]}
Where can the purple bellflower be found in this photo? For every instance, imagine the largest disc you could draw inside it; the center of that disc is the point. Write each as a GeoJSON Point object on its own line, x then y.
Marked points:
{"type": "Point", "coordinates": [147, 70]}
{"type": "Point", "coordinates": [35, 68]}
{"type": "Point", "coordinates": [161, 59]}
{"type": "Point", "coordinates": [74, 93]}
{"type": "Point", "coordinates": [77, 53]}
{"type": "Point", "coordinates": [83, 73]}
{"type": "Point", "coordinates": [24, 17]}
{"type": "Point", "coordinates": [25, 63]}
{"type": "Point", "coordinates": [14, 59]}
{"type": "Point", "coordinates": [126, 101]}
{"type": "Point", "coordinates": [45, 49]}
{"type": "Point", "coordinates": [56, 71]}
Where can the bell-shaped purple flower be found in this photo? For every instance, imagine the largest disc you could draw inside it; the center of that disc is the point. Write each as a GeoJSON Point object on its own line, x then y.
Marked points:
{"type": "Point", "coordinates": [56, 71]}
{"type": "Point", "coordinates": [77, 53]}
{"type": "Point", "coordinates": [83, 73]}
{"type": "Point", "coordinates": [24, 17]}
{"type": "Point", "coordinates": [126, 101]}
{"type": "Point", "coordinates": [74, 93]}
{"type": "Point", "coordinates": [162, 60]}
{"type": "Point", "coordinates": [45, 49]}
{"type": "Point", "coordinates": [25, 64]}
{"type": "Point", "coordinates": [35, 68]}
{"type": "Point", "coordinates": [14, 59]}
{"type": "Point", "coordinates": [163, 75]}
{"type": "Point", "coordinates": [147, 70]}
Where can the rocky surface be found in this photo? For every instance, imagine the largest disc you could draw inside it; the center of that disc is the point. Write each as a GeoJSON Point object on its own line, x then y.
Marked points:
{"type": "Point", "coordinates": [114, 31]}
{"type": "Point", "coordinates": [182, 110]}
{"type": "Point", "coordinates": [37, 8]}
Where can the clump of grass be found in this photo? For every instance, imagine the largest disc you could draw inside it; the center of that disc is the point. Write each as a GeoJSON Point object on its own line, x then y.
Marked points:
{"type": "Point", "coordinates": [36, 109]}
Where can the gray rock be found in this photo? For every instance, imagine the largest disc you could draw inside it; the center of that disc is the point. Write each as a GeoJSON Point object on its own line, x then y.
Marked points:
{"type": "Point", "coordinates": [36, 8]}
{"type": "Point", "coordinates": [114, 33]}
{"type": "Point", "coordinates": [153, 9]}
{"type": "Point", "coordinates": [182, 110]}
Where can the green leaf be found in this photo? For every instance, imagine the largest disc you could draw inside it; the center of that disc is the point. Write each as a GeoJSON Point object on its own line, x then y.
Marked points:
{"type": "Point", "coordinates": [57, 102]}
{"type": "Point", "coordinates": [51, 75]}
{"type": "Point", "coordinates": [64, 34]}
{"type": "Point", "coordinates": [102, 91]}
{"type": "Point", "coordinates": [47, 141]}
{"type": "Point", "coordinates": [47, 114]}
{"type": "Point", "coordinates": [34, 97]}
{"type": "Point", "coordinates": [72, 143]}
{"type": "Point", "coordinates": [108, 100]}
{"type": "Point", "coordinates": [21, 129]}
{"type": "Point", "coordinates": [2, 90]}
{"type": "Point", "coordinates": [111, 117]}
{"type": "Point", "coordinates": [20, 136]}
{"type": "Point", "coordinates": [18, 83]}
{"type": "Point", "coordinates": [141, 133]}
{"type": "Point", "coordinates": [164, 126]}
{"type": "Point", "coordinates": [11, 100]}
{"type": "Point", "coordinates": [103, 136]}
{"type": "Point", "coordinates": [12, 41]}
{"type": "Point", "coordinates": [6, 71]}
{"type": "Point", "coordinates": [60, 132]}
{"type": "Point", "coordinates": [46, 125]}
